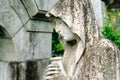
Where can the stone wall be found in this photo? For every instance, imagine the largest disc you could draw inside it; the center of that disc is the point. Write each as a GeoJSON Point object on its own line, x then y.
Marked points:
{"type": "Point", "coordinates": [25, 39]}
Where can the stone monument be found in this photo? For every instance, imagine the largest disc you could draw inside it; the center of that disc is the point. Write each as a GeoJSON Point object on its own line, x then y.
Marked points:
{"type": "Point", "coordinates": [25, 39]}
{"type": "Point", "coordinates": [88, 55]}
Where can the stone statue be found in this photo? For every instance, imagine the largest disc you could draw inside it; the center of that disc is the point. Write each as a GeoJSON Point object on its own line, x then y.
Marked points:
{"type": "Point", "coordinates": [88, 55]}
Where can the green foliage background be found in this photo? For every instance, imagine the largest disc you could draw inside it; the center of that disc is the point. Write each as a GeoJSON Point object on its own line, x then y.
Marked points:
{"type": "Point", "coordinates": [111, 29]}
{"type": "Point", "coordinates": [57, 49]}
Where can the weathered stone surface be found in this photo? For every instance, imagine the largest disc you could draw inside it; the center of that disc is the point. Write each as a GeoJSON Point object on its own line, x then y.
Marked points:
{"type": "Point", "coordinates": [98, 11]}
{"type": "Point", "coordinates": [5, 73]}
{"type": "Point", "coordinates": [7, 50]}
{"type": "Point", "coordinates": [88, 55]}
{"type": "Point", "coordinates": [28, 70]}
{"type": "Point", "coordinates": [51, 3]}
{"type": "Point", "coordinates": [20, 10]}
{"type": "Point", "coordinates": [41, 45]}
{"type": "Point", "coordinates": [45, 4]}
{"type": "Point", "coordinates": [31, 7]}
{"type": "Point", "coordinates": [26, 46]}
{"type": "Point", "coordinates": [3, 3]}
{"type": "Point", "coordinates": [10, 20]}
{"type": "Point", "coordinates": [39, 26]}
{"type": "Point", "coordinates": [23, 46]}
{"type": "Point", "coordinates": [42, 4]}
{"type": "Point", "coordinates": [41, 67]}
{"type": "Point", "coordinates": [32, 45]}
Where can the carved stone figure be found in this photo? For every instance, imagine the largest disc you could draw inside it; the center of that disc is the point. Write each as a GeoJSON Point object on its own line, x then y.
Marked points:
{"type": "Point", "coordinates": [87, 56]}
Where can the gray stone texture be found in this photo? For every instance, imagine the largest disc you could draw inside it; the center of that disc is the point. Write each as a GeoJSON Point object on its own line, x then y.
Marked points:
{"type": "Point", "coordinates": [39, 26]}
{"type": "Point", "coordinates": [25, 44]}
{"type": "Point", "coordinates": [31, 7]}
{"type": "Point", "coordinates": [10, 20]}
{"type": "Point", "coordinates": [19, 9]}
{"type": "Point", "coordinates": [45, 4]}
{"type": "Point", "coordinates": [7, 50]}
{"type": "Point", "coordinates": [29, 39]}
{"type": "Point", "coordinates": [33, 46]}
{"type": "Point", "coordinates": [29, 70]}
{"type": "Point", "coordinates": [99, 11]}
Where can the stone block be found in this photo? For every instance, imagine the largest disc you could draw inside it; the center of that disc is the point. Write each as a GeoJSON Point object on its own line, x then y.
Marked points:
{"type": "Point", "coordinates": [42, 4]}
{"type": "Point", "coordinates": [42, 65]}
{"type": "Point", "coordinates": [23, 45]}
{"type": "Point", "coordinates": [51, 3]}
{"type": "Point", "coordinates": [10, 20]}
{"type": "Point", "coordinates": [31, 7]}
{"type": "Point", "coordinates": [32, 45]}
{"type": "Point", "coordinates": [20, 10]}
{"type": "Point", "coordinates": [39, 26]}
{"type": "Point", "coordinates": [41, 45]}
{"type": "Point", "coordinates": [45, 5]}
{"type": "Point", "coordinates": [26, 46]}
{"type": "Point", "coordinates": [3, 3]}
{"type": "Point", "coordinates": [7, 50]}
{"type": "Point", "coordinates": [28, 70]}
{"type": "Point", "coordinates": [5, 73]}
{"type": "Point", "coordinates": [19, 48]}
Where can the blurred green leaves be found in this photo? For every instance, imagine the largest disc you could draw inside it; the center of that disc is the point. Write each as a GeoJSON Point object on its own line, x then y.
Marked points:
{"type": "Point", "coordinates": [57, 49]}
{"type": "Point", "coordinates": [111, 29]}
{"type": "Point", "coordinates": [112, 34]}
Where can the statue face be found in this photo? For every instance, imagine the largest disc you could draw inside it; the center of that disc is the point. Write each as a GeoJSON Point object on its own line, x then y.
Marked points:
{"type": "Point", "coordinates": [63, 30]}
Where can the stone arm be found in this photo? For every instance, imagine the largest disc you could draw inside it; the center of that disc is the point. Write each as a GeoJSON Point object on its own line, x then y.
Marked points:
{"type": "Point", "coordinates": [102, 63]}
{"type": "Point", "coordinates": [107, 56]}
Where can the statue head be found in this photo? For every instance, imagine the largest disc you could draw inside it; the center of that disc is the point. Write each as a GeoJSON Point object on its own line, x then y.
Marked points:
{"type": "Point", "coordinates": [63, 30]}
{"type": "Point", "coordinates": [78, 16]}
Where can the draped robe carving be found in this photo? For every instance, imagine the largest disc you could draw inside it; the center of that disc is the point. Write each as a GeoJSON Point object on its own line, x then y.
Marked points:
{"type": "Point", "coordinates": [93, 57]}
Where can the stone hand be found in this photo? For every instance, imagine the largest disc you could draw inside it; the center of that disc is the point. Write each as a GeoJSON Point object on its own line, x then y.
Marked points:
{"type": "Point", "coordinates": [52, 71]}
